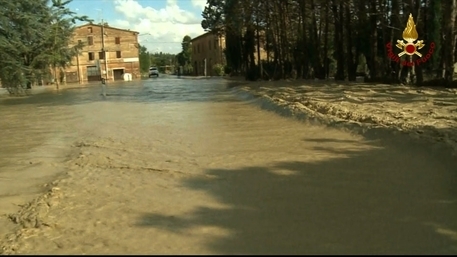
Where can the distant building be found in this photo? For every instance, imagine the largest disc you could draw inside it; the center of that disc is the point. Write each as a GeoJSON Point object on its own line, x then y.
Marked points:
{"type": "Point", "coordinates": [121, 48]}
{"type": "Point", "coordinates": [209, 47]}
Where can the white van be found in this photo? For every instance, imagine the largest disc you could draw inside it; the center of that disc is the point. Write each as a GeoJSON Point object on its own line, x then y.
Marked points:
{"type": "Point", "coordinates": [153, 71]}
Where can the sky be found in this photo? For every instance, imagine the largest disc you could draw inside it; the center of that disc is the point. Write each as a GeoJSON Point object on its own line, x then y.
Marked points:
{"type": "Point", "coordinates": [162, 24]}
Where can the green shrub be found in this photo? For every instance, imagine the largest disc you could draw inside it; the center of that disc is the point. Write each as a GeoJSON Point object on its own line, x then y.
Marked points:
{"type": "Point", "coordinates": [188, 69]}
{"type": "Point", "coordinates": [218, 69]}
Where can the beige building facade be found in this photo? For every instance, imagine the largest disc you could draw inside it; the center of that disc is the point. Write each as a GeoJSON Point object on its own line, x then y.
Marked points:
{"type": "Point", "coordinates": [207, 51]}
{"type": "Point", "coordinates": [122, 55]}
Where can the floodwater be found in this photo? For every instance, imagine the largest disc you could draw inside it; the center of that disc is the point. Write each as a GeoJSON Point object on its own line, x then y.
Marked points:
{"type": "Point", "coordinates": [183, 166]}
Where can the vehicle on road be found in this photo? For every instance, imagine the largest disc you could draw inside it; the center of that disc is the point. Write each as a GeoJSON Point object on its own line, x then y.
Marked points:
{"type": "Point", "coordinates": [153, 72]}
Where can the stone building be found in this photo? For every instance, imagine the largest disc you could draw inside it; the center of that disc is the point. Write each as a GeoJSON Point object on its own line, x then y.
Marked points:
{"type": "Point", "coordinates": [209, 47]}
{"type": "Point", "coordinates": [121, 50]}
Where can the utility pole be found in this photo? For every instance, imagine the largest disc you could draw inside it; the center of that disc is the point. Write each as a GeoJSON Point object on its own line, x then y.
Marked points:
{"type": "Point", "coordinates": [205, 67]}
{"type": "Point", "coordinates": [103, 50]}
{"type": "Point", "coordinates": [79, 69]}
{"type": "Point", "coordinates": [106, 61]}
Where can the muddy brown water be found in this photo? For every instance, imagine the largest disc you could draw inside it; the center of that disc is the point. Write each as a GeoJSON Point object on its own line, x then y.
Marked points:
{"type": "Point", "coordinates": [185, 166]}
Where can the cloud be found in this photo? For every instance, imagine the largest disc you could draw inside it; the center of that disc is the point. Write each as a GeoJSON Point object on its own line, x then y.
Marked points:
{"type": "Point", "coordinates": [199, 3]}
{"type": "Point", "coordinates": [160, 29]}
{"type": "Point", "coordinates": [121, 23]}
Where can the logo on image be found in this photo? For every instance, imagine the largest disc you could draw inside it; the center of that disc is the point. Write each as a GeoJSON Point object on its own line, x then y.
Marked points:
{"type": "Point", "coordinates": [409, 47]}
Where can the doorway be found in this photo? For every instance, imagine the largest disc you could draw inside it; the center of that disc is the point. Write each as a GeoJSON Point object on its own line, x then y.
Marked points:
{"type": "Point", "coordinates": [118, 74]}
{"type": "Point", "coordinates": [71, 76]}
{"type": "Point", "coordinates": [93, 73]}
{"type": "Point", "coordinates": [196, 68]}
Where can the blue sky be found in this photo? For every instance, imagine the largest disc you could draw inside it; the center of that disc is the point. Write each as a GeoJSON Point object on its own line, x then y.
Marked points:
{"type": "Point", "coordinates": [162, 23]}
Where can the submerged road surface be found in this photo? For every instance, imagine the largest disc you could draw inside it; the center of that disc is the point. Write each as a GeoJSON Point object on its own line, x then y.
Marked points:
{"type": "Point", "coordinates": [181, 166]}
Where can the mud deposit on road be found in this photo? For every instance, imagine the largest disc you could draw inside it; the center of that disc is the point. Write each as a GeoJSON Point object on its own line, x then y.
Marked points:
{"type": "Point", "coordinates": [421, 112]}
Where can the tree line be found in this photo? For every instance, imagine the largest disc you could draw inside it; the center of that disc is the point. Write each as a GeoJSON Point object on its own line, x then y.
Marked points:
{"type": "Point", "coordinates": [337, 38]}
{"type": "Point", "coordinates": [35, 41]}
{"type": "Point", "coordinates": [183, 58]}
{"type": "Point", "coordinates": [158, 59]}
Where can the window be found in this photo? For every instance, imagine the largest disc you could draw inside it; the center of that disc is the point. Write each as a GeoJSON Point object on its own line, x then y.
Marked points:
{"type": "Point", "coordinates": [118, 40]}
{"type": "Point", "coordinates": [209, 45]}
{"type": "Point", "coordinates": [89, 29]}
{"type": "Point", "coordinates": [215, 43]}
{"type": "Point", "coordinates": [90, 40]}
{"type": "Point", "coordinates": [91, 56]}
{"type": "Point", "coordinates": [118, 54]}
{"type": "Point", "coordinates": [101, 55]}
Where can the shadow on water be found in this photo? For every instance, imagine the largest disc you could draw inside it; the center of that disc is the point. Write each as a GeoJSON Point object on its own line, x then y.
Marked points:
{"type": "Point", "coordinates": [143, 91]}
{"type": "Point", "coordinates": [389, 200]}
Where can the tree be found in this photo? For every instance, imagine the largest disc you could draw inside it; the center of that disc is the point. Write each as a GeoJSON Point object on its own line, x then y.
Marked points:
{"type": "Point", "coordinates": [59, 45]}
{"type": "Point", "coordinates": [185, 56]}
{"type": "Point", "coordinates": [21, 37]}
{"type": "Point", "coordinates": [35, 39]}
{"type": "Point", "coordinates": [449, 40]}
{"type": "Point", "coordinates": [145, 59]}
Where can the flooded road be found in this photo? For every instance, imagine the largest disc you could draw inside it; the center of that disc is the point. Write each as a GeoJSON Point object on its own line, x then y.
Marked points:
{"type": "Point", "coordinates": [182, 166]}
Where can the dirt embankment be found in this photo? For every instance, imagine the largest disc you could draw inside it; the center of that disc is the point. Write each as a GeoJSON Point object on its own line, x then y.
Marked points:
{"type": "Point", "coordinates": [423, 112]}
